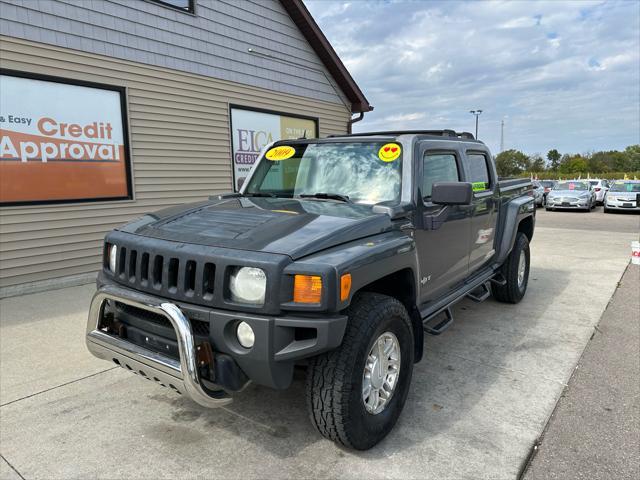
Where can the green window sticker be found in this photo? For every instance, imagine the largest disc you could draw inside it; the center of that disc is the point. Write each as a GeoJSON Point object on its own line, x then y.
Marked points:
{"type": "Point", "coordinates": [479, 186]}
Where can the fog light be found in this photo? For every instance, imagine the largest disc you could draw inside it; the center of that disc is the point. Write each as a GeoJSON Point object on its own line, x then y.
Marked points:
{"type": "Point", "coordinates": [245, 335]}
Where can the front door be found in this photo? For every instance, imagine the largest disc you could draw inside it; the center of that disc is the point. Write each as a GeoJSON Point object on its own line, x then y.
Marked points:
{"type": "Point", "coordinates": [484, 217]}
{"type": "Point", "coordinates": [443, 253]}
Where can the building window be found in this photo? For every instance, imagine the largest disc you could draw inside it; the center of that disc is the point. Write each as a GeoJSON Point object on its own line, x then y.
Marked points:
{"type": "Point", "coordinates": [183, 5]}
{"type": "Point", "coordinates": [63, 141]}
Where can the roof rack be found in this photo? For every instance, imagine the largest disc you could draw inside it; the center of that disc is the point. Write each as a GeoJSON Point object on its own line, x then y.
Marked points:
{"type": "Point", "coordinates": [434, 133]}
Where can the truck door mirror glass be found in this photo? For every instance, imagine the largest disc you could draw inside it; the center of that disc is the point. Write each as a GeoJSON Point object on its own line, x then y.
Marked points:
{"type": "Point", "coordinates": [452, 193]}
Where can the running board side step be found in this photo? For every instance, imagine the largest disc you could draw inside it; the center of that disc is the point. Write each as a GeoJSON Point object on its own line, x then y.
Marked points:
{"type": "Point", "coordinates": [499, 280]}
{"type": "Point", "coordinates": [441, 326]}
{"type": "Point", "coordinates": [482, 295]}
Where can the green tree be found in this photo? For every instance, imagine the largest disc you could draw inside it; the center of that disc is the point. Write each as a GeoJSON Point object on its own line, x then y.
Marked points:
{"type": "Point", "coordinates": [573, 164]}
{"type": "Point", "coordinates": [554, 159]}
{"type": "Point", "coordinates": [632, 153]}
{"type": "Point", "coordinates": [598, 162]}
{"type": "Point", "coordinates": [512, 162]}
{"type": "Point", "coordinates": [537, 163]}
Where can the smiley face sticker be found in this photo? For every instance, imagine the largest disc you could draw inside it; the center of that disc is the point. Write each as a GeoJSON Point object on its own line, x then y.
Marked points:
{"type": "Point", "coordinates": [389, 152]}
{"type": "Point", "coordinates": [280, 153]}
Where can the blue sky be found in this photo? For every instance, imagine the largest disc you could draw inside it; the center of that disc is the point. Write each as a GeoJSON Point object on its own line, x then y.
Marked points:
{"type": "Point", "coordinates": [563, 75]}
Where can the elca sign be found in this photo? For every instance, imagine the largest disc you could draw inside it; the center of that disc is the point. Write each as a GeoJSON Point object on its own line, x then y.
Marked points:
{"type": "Point", "coordinates": [251, 130]}
{"type": "Point", "coordinates": [61, 142]}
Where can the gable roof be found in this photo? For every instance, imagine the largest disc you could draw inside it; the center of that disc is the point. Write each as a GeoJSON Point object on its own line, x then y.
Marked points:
{"type": "Point", "coordinates": [311, 31]}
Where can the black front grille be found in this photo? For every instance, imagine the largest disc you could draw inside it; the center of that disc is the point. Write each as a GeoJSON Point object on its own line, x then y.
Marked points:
{"type": "Point", "coordinates": [165, 274]}
{"type": "Point", "coordinates": [199, 327]}
{"type": "Point", "coordinates": [145, 315]}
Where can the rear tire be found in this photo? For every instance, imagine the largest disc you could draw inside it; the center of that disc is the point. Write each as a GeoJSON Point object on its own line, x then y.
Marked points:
{"type": "Point", "coordinates": [515, 272]}
{"type": "Point", "coordinates": [336, 383]}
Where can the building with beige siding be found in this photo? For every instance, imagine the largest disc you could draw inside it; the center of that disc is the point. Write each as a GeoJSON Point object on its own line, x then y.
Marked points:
{"type": "Point", "coordinates": [113, 108]}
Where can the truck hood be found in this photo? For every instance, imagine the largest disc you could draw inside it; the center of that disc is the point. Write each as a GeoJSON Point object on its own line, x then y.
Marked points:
{"type": "Point", "coordinates": [273, 225]}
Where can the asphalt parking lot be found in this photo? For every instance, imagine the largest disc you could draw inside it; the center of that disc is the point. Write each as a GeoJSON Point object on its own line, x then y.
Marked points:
{"type": "Point", "coordinates": [480, 399]}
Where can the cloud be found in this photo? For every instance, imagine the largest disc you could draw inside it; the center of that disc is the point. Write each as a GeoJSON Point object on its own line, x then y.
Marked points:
{"type": "Point", "coordinates": [566, 74]}
{"type": "Point", "coordinates": [407, 117]}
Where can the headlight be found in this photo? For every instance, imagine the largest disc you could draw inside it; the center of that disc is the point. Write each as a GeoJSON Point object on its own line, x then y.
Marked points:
{"type": "Point", "coordinates": [113, 252]}
{"type": "Point", "coordinates": [248, 285]}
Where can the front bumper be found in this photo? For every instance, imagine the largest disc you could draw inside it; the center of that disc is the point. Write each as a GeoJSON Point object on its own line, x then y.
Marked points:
{"type": "Point", "coordinates": [567, 203]}
{"type": "Point", "coordinates": [624, 204]}
{"type": "Point", "coordinates": [280, 342]}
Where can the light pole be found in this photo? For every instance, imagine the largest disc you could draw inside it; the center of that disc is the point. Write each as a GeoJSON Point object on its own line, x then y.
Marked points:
{"type": "Point", "coordinates": [477, 114]}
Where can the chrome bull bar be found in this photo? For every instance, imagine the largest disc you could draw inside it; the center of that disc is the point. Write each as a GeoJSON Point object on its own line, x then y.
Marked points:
{"type": "Point", "coordinates": [181, 376]}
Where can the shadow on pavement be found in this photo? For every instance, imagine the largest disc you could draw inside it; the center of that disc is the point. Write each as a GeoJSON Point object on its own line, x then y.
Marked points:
{"type": "Point", "coordinates": [488, 344]}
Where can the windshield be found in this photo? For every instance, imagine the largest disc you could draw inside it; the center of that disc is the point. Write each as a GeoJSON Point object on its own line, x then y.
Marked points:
{"type": "Point", "coordinates": [366, 172]}
{"type": "Point", "coordinates": [625, 187]}
{"type": "Point", "coordinates": [594, 182]}
{"type": "Point", "coordinates": [572, 186]}
{"type": "Point", "coordinates": [548, 183]}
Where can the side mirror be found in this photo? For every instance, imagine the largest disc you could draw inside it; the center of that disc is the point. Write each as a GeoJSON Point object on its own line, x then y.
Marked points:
{"type": "Point", "coordinates": [452, 193]}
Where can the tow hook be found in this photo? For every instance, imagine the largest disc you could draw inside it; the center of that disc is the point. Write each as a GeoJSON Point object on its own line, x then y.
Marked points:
{"type": "Point", "coordinates": [204, 357]}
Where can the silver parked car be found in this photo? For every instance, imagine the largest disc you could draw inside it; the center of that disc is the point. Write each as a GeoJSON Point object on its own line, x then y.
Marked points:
{"type": "Point", "coordinates": [538, 193]}
{"type": "Point", "coordinates": [547, 185]}
{"type": "Point", "coordinates": [623, 195]}
{"type": "Point", "coordinates": [574, 194]}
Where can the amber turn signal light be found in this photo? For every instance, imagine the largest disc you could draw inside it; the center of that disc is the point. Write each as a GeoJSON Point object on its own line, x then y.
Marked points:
{"type": "Point", "coordinates": [345, 286]}
{"type": "Point", "coordinates": [307, 289]}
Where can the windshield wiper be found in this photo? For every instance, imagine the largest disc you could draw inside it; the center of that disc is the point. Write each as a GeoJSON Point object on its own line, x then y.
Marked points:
{"type": "Point", "coordinates": [327, 196]}
{"type": "Point", "coordinates": [267, 194]}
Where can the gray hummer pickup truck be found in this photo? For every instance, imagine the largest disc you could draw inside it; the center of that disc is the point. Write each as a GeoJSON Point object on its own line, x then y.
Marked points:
{"type": "Point", "coordinates": [336, 256]}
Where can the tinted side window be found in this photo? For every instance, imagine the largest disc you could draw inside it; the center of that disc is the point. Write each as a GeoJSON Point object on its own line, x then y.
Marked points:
{"type": "Point", "coordinates": [478, 171]}
{"type": "Point", "coordinates": [438, 168]}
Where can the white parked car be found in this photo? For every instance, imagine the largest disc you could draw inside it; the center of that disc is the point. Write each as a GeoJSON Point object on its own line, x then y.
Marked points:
{"type": "Point", "coordinates": [623, 195]}
{"type": "Point", "coordinates": [600, 187]}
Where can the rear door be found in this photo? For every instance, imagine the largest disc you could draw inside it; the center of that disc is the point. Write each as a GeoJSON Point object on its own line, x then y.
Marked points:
{"type": "Point", "coordinates": [479, 169]}
{"type": "Point", "coordinates": [444, 252]}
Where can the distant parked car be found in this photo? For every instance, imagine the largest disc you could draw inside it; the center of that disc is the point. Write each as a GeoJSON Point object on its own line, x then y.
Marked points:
{"type": "Point", "coordinates": [547, 185]}
{"type": "Point", "coordinates": [538, 193]}
{"type": "Point", "coordinates": [574, 194]}
{"type": "Point", "coordinates": [600, 188]}
{"type": "Point", "coordinates": [623, 195]}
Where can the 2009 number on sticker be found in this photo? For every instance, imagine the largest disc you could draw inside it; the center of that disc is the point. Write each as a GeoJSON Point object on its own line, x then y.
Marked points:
{"type": "Point", "coordinates": [389, 152]}
{"type": "Point", "coordinates": [280, 153]}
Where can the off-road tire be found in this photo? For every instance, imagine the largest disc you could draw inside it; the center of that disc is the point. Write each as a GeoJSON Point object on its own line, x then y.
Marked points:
{"type": "Point", "coordinates": [511, 292]}
{"type": "Point", "coordinates": [334, 379]}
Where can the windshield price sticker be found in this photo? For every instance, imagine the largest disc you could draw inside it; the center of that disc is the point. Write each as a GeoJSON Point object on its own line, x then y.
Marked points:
{"type": "Point", "coordinates": [478, 186]}
{"type": "Point", "coordinates": [280, 153]}
{"type": "Point", "coordinates": [389, 152]}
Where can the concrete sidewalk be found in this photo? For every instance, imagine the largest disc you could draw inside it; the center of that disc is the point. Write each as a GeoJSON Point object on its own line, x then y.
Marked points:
{"type": "Point", "coordinates": [594, 432]}
{"type": "Point", "coordinates": [479, 401]}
